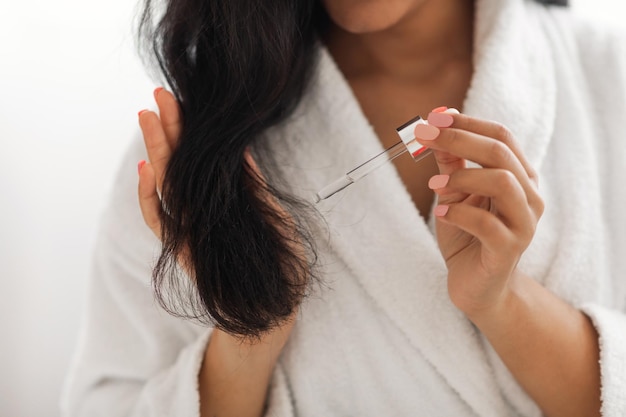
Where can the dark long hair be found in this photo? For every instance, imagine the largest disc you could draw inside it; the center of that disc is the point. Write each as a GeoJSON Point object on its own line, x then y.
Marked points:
{"type": "Point", "coordinates": [237, 67]}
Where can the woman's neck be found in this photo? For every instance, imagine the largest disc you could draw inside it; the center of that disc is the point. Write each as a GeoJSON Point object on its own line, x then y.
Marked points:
{"type": "Point", "coordinates": [437, 33]}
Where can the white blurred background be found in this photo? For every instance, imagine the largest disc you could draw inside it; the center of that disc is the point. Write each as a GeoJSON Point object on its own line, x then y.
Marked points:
{"type": "Point", "coordinates": [70, 88]}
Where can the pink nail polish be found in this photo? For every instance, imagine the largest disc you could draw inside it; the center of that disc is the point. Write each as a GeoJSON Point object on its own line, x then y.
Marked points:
{"type": "Point", "coordinates": [440, 119]}
{"type": "Point", "coordinates": [140, 166]}
{"type": "Point", "coordinates": [439, 109]}
{"type": "Point", "coordinates": [426, 132]}
{"type": "Point", "coordinates": [141, 112]}
{"type": "Point", "coordinates": [157, 91]}
{"type": "Point", "coordinates": [438, 181]}
{"type": "Point", "coordinates": [441, 210]}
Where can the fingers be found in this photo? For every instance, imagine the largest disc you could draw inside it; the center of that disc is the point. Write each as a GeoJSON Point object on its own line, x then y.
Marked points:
{"type": "Point", "coordinates": [161, 132]}
{"type": "Point", "coordinates": [486, 151]}
{"type": "Point", "coordinates": [498, 131]}
{"type": "Point", "coordinates": [447, 162]}
{"type": "Point", "coordinates": [482, 224]}
{"type": "Point", "coordinates": [499, 204]}
{"type": "Point", "coordinates": [160, 136]}
{"type": "Point", "coordinates": [150, 205]}
{"type": "Point", "coordinates": [498, 151]}
{"type": "Point", "coordinates": [487, 129]}
{"type": "Point", "coordinates": [508, 201]}
{"type": "Point", "coordinates": [149, 201]}
{"type": "Point", "coordinates": [169, 113]}
{"type": "Point", "coordinates": [157, 145]}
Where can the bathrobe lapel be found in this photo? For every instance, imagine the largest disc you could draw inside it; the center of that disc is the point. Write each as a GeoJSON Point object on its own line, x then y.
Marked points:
{"type": "Point", "coordinates": [373, 228]}
{"type": "Point", "coordinates": [514, 73]}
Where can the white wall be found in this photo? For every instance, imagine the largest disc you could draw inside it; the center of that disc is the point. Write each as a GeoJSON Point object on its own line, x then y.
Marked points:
{"type": "Point", "coordinates": [70, 88]}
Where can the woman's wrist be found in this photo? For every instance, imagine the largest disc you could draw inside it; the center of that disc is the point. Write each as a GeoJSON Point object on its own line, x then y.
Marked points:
{"type": "Point", "coordinates": [236, 371]}
{"type": "Point", "coordinates": [549, 346]}
{"type": "Point", "coordinates": [503, 306]}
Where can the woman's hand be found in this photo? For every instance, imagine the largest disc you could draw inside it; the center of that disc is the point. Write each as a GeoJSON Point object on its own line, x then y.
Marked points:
{"type": "Point", "coordinates": [487, 217]}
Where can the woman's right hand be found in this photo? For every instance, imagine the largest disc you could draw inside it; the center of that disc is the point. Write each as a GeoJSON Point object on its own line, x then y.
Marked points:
{"type": "Point", "coordinates": [236, 372]}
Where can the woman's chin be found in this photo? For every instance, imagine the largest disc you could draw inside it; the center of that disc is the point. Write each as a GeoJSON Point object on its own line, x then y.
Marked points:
{"type": "Point", "coordinates": [360, 17]}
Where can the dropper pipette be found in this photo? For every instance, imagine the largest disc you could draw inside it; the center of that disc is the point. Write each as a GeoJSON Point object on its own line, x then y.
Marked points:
{"type": "Point", "coordinates": [406, 144]}
{"type": "Point", "coordinates": [365, 168]}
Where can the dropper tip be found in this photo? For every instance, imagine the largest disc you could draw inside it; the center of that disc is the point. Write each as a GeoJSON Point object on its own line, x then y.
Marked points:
{"type": "Point", "coordinates": [336, 186]}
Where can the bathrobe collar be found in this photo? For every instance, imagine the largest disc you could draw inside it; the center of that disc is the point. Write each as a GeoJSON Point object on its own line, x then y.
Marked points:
{"type": "Point", "coordinates": [373, 228]}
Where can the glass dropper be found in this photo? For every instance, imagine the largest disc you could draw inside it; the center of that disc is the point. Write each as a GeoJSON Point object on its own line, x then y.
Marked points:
{"type": "Point", "coordinates": [406, 144]}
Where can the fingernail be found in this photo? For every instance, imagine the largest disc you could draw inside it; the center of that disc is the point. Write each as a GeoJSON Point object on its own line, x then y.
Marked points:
{"type": "Point", "coordinates": [440, 119]}
{"type": "Point", "coordinates": [157, 91]}
{"type": "Point", "coordinates": [452, 111]}
{"type": "Point", "coordinates": [426, 132]}
{"type": "Point", "coordinates": [140, 166]}
{"type": "Point", "coordinates": [438, 181]}
{"type": "Point", "coordinates": [142, 112]}
{"type": "Point", "coordinates": [440, 109]}
{"type": "Point", "coordinates": [441, 210]}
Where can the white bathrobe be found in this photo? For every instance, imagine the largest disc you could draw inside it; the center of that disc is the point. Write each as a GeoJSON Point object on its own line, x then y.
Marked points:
{"type": "Point", "coordinates": [381, 337]}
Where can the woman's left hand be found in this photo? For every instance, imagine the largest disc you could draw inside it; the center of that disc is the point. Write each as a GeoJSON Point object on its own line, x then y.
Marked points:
{"type": "Point", "coordinates": [486, 218]}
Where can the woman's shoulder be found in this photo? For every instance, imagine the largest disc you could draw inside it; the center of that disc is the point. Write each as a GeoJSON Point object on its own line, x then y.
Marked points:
{"type": "Point", "coordinates": [601, 40]}
{"type": "Point", "coordinates": [598, 44]}
{"type": "Point", "coordinates": [590, 50]}
{"type": "Point", "coordinates": [601, 49]}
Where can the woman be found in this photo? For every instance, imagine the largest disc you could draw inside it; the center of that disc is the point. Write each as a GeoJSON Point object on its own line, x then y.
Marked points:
{"type": "Point", "coordinates": [468, 306]}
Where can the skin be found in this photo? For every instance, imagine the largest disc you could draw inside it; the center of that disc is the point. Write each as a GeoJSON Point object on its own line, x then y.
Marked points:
{"type": "Point", "coordinates": [550, 347]}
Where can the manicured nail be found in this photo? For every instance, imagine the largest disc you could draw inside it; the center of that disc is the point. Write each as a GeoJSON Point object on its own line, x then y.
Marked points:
{"type": "Point", "coordinates": [440, 109]}
{"type": "Point", "coordinates": [140, 166]}
{"type": "Point", "coordinates": [441, 210]}
{"type": "Point", "coordinates": [157, 91]}
{"type": "Point", "coordinates": [426, 132]}
{"type": "Point", "coordinates": [142, 112]}
{"type": "Point", "coordinates": [438, 181]}
{"type": "Point", "coordinates": [440, 119]}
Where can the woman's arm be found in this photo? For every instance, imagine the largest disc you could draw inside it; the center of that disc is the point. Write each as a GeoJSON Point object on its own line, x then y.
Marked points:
{"type": "Point", "coordinates": [550, 347]}
{"type": "Point", "coordinates": [486, 218]}
{"type": "Point", "coordinates": [236, 373]}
